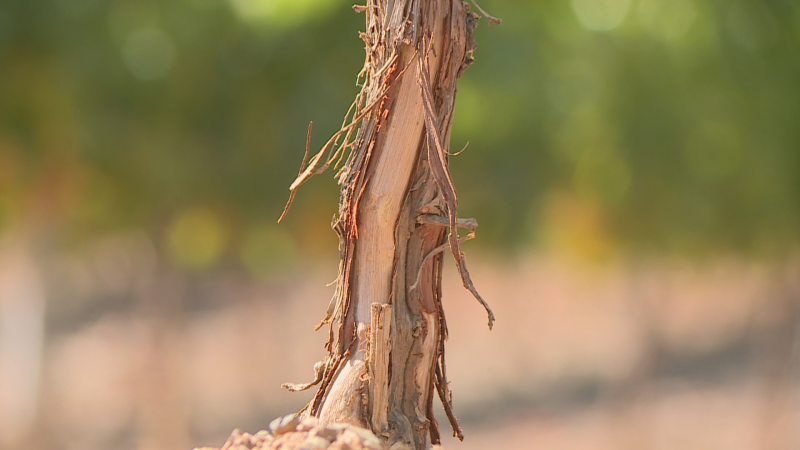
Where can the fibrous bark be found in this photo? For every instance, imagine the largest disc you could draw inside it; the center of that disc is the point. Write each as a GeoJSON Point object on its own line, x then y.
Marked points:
{"type": "Point", "coordinates": [397, 203]}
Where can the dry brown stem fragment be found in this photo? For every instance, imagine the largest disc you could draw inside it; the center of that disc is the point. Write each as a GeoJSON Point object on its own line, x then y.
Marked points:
{"type": "Point", "coordinates": [485, 14]}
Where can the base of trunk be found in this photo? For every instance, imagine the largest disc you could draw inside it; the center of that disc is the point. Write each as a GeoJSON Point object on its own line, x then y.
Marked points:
{"type": "Point", "coordinates": [291, 433]}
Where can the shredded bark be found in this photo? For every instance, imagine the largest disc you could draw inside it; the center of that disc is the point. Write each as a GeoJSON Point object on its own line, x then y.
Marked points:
{"type": "Point", "coordinates": [438, 160]}
{"type": "Point", "coordinates": [398, 38]}
{"type": "Point", "coordinates": [302, 166]}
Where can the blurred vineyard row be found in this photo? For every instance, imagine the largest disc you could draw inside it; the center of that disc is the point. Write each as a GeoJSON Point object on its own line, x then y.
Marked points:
{"type": "Point", "coordinates": [594, 127]}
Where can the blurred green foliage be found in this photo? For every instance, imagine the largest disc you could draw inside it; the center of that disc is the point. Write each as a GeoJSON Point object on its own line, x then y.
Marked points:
{"type": "Point", "coordinates": [595, 126]}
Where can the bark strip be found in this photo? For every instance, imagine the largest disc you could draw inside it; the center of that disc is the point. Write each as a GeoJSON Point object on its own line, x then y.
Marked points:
{"type": "Point", "coordinates": [380, 348]}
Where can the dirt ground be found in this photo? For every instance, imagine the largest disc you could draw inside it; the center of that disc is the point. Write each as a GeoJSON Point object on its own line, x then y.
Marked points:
{"type": "Point", "coordinates": [291, 433]}
{"type": "Point", "coordinates": [655, 354]}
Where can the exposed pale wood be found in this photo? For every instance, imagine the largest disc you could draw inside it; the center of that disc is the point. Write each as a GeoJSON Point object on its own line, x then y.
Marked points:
{"type": "Point", "coordinates": [380, 204]}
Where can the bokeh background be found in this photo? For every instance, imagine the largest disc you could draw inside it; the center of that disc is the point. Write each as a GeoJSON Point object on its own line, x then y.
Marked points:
{"type": "Point", "coordinates": [634, 166]}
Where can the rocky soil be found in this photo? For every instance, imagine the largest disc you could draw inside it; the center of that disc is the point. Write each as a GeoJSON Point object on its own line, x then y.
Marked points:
{"type": "Point", "coordinates": [292, 433]}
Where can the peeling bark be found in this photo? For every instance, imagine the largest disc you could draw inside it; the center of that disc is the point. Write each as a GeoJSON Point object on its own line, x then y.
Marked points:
{"type": "Point", "coordinates": [397, 203]}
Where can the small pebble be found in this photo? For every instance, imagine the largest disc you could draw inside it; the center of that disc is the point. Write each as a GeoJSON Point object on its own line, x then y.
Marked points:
{"type": "Point", "coordinates": [327, 433]}
{"type": "Point", "coordinates": [350, 438]}
{"type": "Point", "coordinates": [314, 443]}
{"type": "Point", "coordinates": [308, 424]}
{"type": "Point", "coordinates": [368, 438]}
{"type": "Point", "coordinates": [261, 437]}
{"type": "Point", "coordinates": [245, 440]}
{"type": "Point", "coordinates": [284, 424]}
{"type": "Point", "coordinates": [238, 439]}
